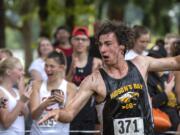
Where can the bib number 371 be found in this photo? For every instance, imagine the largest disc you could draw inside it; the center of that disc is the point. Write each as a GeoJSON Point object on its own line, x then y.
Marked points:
{"type": "Point", "coordinates": [129, 126]}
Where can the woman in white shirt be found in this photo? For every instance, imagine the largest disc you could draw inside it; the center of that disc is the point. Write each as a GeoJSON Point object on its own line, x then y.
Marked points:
{"type": "Point", "coordinates": [12, 115]}
{"type": "Point", "coordinates": [52, 94]}
{"type": "Point", "coordinates": [36, 68]}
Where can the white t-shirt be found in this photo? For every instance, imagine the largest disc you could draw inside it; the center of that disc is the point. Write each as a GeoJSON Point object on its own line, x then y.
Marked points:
{"type": "Point", "coordinates": [39, 65]}
{"type": "Point", "coordinates": [131, 54]}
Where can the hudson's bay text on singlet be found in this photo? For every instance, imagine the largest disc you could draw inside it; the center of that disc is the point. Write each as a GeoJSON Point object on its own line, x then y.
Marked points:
{"type": "Point", "coordinates": [127, 109]}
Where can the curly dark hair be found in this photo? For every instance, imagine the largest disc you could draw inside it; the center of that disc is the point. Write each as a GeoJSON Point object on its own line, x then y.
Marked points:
{"type": "Point", "coordinates": [123, 33]}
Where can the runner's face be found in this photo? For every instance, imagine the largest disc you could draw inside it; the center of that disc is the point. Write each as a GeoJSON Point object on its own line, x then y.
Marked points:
{"type": "Point", "coordinates": [109, 48]}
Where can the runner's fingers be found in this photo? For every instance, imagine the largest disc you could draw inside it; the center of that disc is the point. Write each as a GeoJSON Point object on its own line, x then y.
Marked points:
{"type": "Point", "coordinates": [46, 117]}
{"type": "Point", "coordinates": [29, 91]}
{"type": "Point", "coordinates": [56, 117]}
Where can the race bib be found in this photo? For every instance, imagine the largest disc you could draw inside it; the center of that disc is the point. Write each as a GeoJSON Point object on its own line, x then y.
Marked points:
{"type": "Point", "coordinates": [129, 126]}
{"type": "Point", "coordinates": [48, 123]}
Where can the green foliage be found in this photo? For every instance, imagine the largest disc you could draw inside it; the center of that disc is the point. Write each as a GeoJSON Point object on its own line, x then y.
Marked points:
{"type": "Point", "coordinates": [85, 12]}
{"type": "Point", "coordinates": [14, 38]}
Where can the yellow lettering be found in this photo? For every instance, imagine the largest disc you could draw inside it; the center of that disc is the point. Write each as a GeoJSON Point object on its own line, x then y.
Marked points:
{"type": "Point", "coordinates": [130, 87]}
{"type": "Point", "coordinates": [125, 89]}
{"type": "Point", "coordinates": [137, 86]}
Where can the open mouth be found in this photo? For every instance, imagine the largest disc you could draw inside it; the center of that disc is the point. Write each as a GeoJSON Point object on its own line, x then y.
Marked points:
{"type": "Point", "coordinates": [50, 74]}
{"type": "Point", "coordinates": [105, 57]}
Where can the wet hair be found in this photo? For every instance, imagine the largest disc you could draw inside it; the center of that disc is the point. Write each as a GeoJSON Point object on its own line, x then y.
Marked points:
{"type": "Point", "coordinates": [140, 30]}
{"type": "Point", "coordinates": [176, 48]}
{"type": "Point", "coordinates": [123, 33]}
{"type": "Point", "coordinates": [58, 56]}
{"type": "Point", "coordinates": [6, 64]}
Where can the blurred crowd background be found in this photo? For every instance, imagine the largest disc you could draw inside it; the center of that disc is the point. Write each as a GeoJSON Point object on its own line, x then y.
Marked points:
{"type": "Point", "coordinates": [23, 22]}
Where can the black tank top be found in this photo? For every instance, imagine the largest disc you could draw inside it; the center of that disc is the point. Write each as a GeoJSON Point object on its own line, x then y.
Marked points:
{"type": "Point", "coordinates": [88, 113]}
{"type": "Point", "coordinates": [126, 104]}
{"type": "Point", "coordinates": [80, 73]}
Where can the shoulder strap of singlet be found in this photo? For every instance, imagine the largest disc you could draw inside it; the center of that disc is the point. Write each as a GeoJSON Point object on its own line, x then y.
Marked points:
{"type": "Point", "coordinates": [90, 63]}
{"type": "Point", "coordinates": [132, 66]}
{"type": "Point", "coordinates": [105, 78]}
{"type": "Point", "coordinates": [69, 61]}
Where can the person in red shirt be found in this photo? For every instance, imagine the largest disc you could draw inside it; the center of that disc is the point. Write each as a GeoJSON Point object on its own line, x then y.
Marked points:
{"type": "Point", "coordinates": [62, 36]}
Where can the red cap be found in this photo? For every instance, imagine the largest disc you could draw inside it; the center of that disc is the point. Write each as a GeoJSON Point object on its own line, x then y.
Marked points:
{"type": "Point", "coordinates": [80, 31]}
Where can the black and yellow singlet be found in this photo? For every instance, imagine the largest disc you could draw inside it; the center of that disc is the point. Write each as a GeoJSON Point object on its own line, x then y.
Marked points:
{"type": "Point", "coordinates": [127, 109]}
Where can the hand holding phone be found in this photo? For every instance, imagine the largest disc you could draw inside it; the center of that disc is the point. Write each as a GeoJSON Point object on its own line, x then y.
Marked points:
{"type": "Point", "coordinates": [59, 95]}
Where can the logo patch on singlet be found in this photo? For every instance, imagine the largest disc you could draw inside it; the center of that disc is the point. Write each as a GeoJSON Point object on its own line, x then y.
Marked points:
{"type": "Point", "coordinates": [128, 100]}
{"type": "Point", "coordinates": [125, 98]}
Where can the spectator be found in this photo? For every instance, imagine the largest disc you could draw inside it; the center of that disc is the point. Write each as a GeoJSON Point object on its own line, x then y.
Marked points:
{"type": "Point", "coordinates": [80, 65]}
{"type": "Point", "coordinates": [169, 39]}
{"type": "Point", "coordinates": [175, 51]}
{"type": "Point", "coordinates": [142, 39]}
{"type": "Point", "coordinates": [12, 116]}
{"type": "Point", "coordinates": [36, 68]}
{"type": "Point", "coordinates": [55, 93]}
{"type": "Point", "coordinates": [161, 91]}
{"type": "Point", "coordinates": [62, 40]}
{"type": "Point", "coordinates": [5, 53]}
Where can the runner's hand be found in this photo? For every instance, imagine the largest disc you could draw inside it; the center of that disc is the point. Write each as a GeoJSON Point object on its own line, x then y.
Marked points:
{"type": "Point", "coordinates": [51, 114]}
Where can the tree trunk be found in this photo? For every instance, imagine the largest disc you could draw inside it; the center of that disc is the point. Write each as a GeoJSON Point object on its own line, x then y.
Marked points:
{"type": "Point", "coordinates": [27, 42]}
{"type": "Point", "coordinates": [2, 24]}
{"type": "Point", "coordinates": [100, 8]}
{"type": "Point", "coordinates": [116, 10]}
{"type": "Point", "coordinates": [43, 16]}
{"type": "Point", "coordinates": [69, 5]}
{"type": "Point", "coordinates": [167, 24]}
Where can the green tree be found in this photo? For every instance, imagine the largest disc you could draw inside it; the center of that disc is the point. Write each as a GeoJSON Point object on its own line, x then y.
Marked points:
{"type": "Point", "coordinates": [24, 11]}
